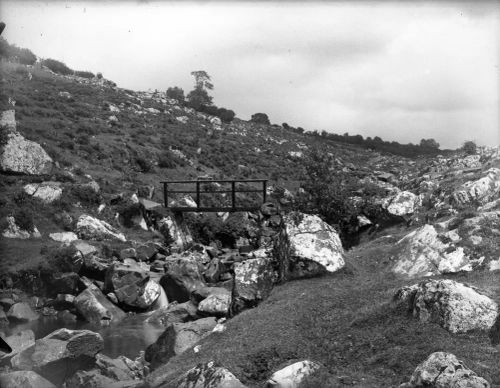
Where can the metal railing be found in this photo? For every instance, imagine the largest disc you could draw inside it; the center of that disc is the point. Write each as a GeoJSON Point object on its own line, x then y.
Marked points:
{"type": "Point", "coordinates": [199, 193]}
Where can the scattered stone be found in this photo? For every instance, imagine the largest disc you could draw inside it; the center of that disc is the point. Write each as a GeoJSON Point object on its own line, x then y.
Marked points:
{"type": "Point", "coordinates": [84, 247]}
{"type": "Point", "coordinates": [182, 119]}
{"type": "Point", "coordinates": [217, 304]}
{"type": "Point", "coordinates": [292, 375]}
{"type": "Point", "coordinates": [443, 370]}
{"type": "Point", "coordinates": [454, 306]}
{"type": "Point", "coordinates": [209, 375]}
{"type": "Point", "coordinates": [401, 204]}
{"type": "Point", "coordinates": [64, 237]}
{"type": "Point", "coordinates": [48, 192]}
{"type": "Point", "coordinates": [91, 228]}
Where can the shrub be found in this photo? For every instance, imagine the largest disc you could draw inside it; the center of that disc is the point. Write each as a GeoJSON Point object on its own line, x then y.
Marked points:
{"type": "Point", "coordinates": [166, 160]}
{"type": "Point", "coordinates": [176, 93]}
{"type": "Point", "coordinates": [99, 75]}
{"type": "Point", "coordinates": [85, 194]}
{"type": "Point", "coordinates": [24, 219]}
{"type": "Point", "coordinates": [469, 147]}
{"type": "Point", "coordinates": [144, 164]}
{"type": "Point", "coordinates": [22, 55]}
{"type": "Point", "coordinates": [260, 118]}
{"type": "Point", "coordinates": [57, 66]}
{"type": "Point", "coordinates": [226, 115]}
{"type": "Point", "coordinates": [21, 70]}
{"type": "Point", "coordinates": [84, 74]}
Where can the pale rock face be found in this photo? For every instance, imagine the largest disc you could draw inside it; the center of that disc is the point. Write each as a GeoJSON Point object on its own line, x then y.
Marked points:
{"type": "Point", "coordinates": [8, 120]}
{"type": "Point", "coordinates": [494, 265]}
{"type": "Point", "coordinates": [423, 254]}
{"type": "Point", "coordinates": [208, 375]}
{"type": "Point", "coordinates": [64, 237]}
{"type": "Point", "coordinates": [92, 228]}
{"type": "Point", "coordinates": [24, 379]}
{"type": "Point", "coordinates": [48, 192]}
{"type": "Point", "coordinates": [401, 204]}
{"type": "Point", "coordinates": [363, 221]}
{"type": "Point", "coordinates": [481, 190]}
{"type": "Point", "coordinates": [216, 304]}
{"type": "Point", "coordinates": [292, 375]}
{"type": "Point", "coordinates": [310, 240]}
{"type": "Point", "coordinates": [182, 119]}
{"type": "Point", "coordinates": [24, 156]}
{"type": "Point", "coordinates": [114, 109]}
{"type": "Point", "coordinates": [14, 231]}
{"type": "Point", "coordinates": [454, 306]}
{"type": "Point", "coordinates": [442, 370]}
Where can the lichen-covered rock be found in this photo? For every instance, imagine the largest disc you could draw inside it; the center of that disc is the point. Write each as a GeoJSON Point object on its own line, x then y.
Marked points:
{"type": "Point", "coordinates": [177, 338]}
{"type": "Point", "coordinates": [90, 228]}
{"type": "Point", "coordinates": [23, 156]}
{"type": "Point", "coordinates": [60, 354]}
{"type": "Point", "coordinates": [96, 308]}
{"type": "Point", "coordinates": [422, 253]}
{"type": "Point", "coordinates": [64, 237]}
{"type": "Point", "coordinates": [131, 285]}
{"type": "Point", "coordinates": [481, 190]}
{"type": "Point", "coordinates": [217, 303]}
{"type": "Point", "coordinates": [292, 375]}
{"type": "Point", "coordinates": [48, 192]}
{"type": "Point", "coordinates": [208, 375]}
{"type": "Point", "coordinates": [21, 312]}
{"type": "Point", "coordinates": [401, 204]}
{"type": "Point", "coordinates": [14, 231]}
{"type": "Point", "coordinates": [444, 370]}
{"type": "Point", "coordinates": [452, 305]}
{"type": "Point", "coordinates": [176, 228]}
{"type": "Point", "coordinates": [24, 379]}
{"type": "Point", "coordinates": [307, 246]}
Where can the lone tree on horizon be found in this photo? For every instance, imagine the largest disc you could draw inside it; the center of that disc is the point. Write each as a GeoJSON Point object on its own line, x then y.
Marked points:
{"type": "Point", "coordinates": [199, 96]}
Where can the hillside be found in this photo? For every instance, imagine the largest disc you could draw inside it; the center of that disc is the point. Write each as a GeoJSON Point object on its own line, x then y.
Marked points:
{"type": "Point", "coordinates": [87, 246]}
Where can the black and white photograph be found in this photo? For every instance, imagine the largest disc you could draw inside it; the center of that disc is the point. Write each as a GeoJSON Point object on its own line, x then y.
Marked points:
{"type": "Point", "coordinates": [249, 194]}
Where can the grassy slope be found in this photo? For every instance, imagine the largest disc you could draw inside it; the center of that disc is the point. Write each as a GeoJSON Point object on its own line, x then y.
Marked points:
{"type": "Point", "coordinates": [345, 322]}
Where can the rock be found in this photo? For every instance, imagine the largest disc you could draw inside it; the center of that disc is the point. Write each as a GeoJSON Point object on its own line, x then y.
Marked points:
{"type": "Point", "coordinates": [253, 282]}
{"type": "Point", "coordinates": [401, 204]}
{"type": "Point", "coordinates": [481, 190]}
{"type": "Point", "coordinates": [95, 267]}
{"type": "Point", "coordinates": [21, 312]}
{"type": "Point", "coordinates": [89, 379]}
{"type": "Point", "coordinates": [64, 237]}
{"type": "Point", "coordinates": [209, 375]}
{"type": "Point", "coordinates": [182, 119]}
{"type": "Point", "coordinates": [127, 253]}
{"type": "Point", "coordinates": [91, 228]}
{"type": "Point", "coordinates": [17, 342]}
{"type": "Point", "coordinates": [132, 286]}
{"type": "Point", "coordinates": [454, 306]}
{"type": "Point", "coordinates": [8, 120]}
{"type": "Point", "coordinates": [422, 253]}
{"type": "Point", "coordinates": [65, 95]}
{"type": "Point", "coordinates": [177, 338]}
{"type": "Point", "coordinates": [48, 192]}
{"type": "Point", "coordinates": [146, 252]}
{"type": "Point", "coordinates": [14, 231]}
{"type": "Point", "coordinates": [64, 301]}
{"type": "Point", "coordinates": [217, 304]}
{"type": "Point", "coordinates": [443, 370]}
{"type": "Point", "coordinates": [24, 379]}
{"type": "Point", "coordinates": [24, 156]}
{"type": "Point", "coordinates": [96, 308]}
{"type": "Point", "coordinates": [307, 246]}
{"type": "Point", "coordinates": [269, 209]}
{"type": "Point", "coordinates": [84, 247]}
{"type": "Point", "coordinates": [64, 283]}
{"type": "Point", "coordinates": [182, 277]}
{"type": "Point", "coordinates": [292, 375]}
{"type": "Point", "coordinates": [174, 313]}
{"type": "Point", "coordinates": [60, 353]}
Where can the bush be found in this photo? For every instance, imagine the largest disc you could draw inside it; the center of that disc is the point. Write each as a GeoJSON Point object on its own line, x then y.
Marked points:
{"type": "Point", "coordinates": [144, 164]}
{"type": "Point", "coordinates": [99, 75]}
{"type": "Point", "coordinates": [469, 147]}
{"type": "Point", "coordinates": [260, 118]}
{"type": "Point", "coordinates": [84, 74]}
{"type": "Point", "coordinates": [24, 219]}
{"type": "Point", "coordinates": [85, 194]}
{"type": "Point", "coordinates": [57, 66]}
{"type": "Point", "coordinates": [176, 93]}
{"type": "Point", "coordinates": [226, 115]}
{"type": "Point", "coordinates": [22, 55]}
{"type": "Point", "coordinates": [21, 70]}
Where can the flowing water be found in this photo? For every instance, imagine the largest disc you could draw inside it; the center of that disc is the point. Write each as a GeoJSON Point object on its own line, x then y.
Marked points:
{"type": "Point", "coordinates": [125, 338]}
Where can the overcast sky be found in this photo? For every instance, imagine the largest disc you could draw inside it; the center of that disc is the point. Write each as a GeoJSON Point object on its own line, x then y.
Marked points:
{"type": "Point", "coordinates": [396, 70]}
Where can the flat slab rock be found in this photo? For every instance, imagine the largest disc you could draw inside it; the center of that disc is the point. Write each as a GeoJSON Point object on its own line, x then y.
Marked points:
{"type": "Point", "coordinates": [454, 306]}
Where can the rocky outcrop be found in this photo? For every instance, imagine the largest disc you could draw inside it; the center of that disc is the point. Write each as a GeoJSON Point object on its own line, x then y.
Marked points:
{"type": "Point", "coordinates": [90, 228]}
{"type": "Point", "coordinates": [292, 375]}
{"type": "Point", "coordinates": [47, 192]}
{"type": "Point", "coordinates": [24, 379]}
{"type": "Point", "coordinates": [60, 353]}
{"type": "Point", "coordinates": [208, 375]}
{"type": "Point", "coordinates": [132, 286]}
{"type": "Point", "coordinates": [177, 338]}
{"type": "Point", "coordinates": [481, 190]}
{"type": "Point", "coordinates": [423, 253]}
{"type": "Point", "coordinates": [452, 305]}
{"type": "Point", "coordinates": [444, 370]}
{"type": "Point", "coordinates": [307, 246]}
{"type": "Point", "coordinates": [96, 308]}
{"type": "Point", "coordinates": [401, 204]}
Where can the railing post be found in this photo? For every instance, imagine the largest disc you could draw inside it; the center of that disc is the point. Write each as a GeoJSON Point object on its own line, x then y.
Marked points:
{"type": "Point", "coordinates": [198, 194]}
{"type": "Point", "coordinates": [233, 194]}
{"type": "Point", "coordinates": [264, 191]}
{"type": "Point", "coordinates": [165, 193]}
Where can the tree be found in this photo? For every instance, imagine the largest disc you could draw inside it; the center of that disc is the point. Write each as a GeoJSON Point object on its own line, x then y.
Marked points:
{"type": "Point", "coordinates": [199, 96]}
{"type": "Point", "coordinates": [429, 143]}
{"type": "Point", "coordinates": [469, 147]}
{"type": "Point", "coordinates": [260, 118]}
{"type": "Point", "coordinates": [176, 93]}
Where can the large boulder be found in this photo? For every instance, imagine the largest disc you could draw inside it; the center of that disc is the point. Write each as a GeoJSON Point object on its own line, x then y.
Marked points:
{"type": "Point", "coordinates": [307, 246]}
{"type": "Point", "coordinates": [48, 192]}
{"type": "Point", "coordinates": [423, 253]}
{"type": "Point", "coordinates": [292, 375]}
{"type": "Point", "coordinates": [90, 228]}
{"type": "Point", "coordinates": [217, 303]}
{"type": "Point", "coordinates": [444, 370]}
{"type": "Point", "coordinates": [132, 286]}
{"type": "Point", "coordinates": [24, 379]}
{"type": "Point", "coordinates": [60, 353]}
{"type": "Point", "coordinates": [452, 305]}
{"type": "Point", "coordinates": [174, 313]}
{"type": "Point", "coordinates": [21, 312]}
{"type": "Point", "coordinates": [208, 375]}
{"type": "Point", "coordinates": [96, 308]}
{"type": "Point", "coordinates": [183, 275]}
{"type": "Point", "coordinates": [175, 227]}
{"type": "Point", "coordinates": [17, 342]}
{"type": "Point", "coordinates": [481, 190]}
{"type": "Point", "coordinates": [177, 338]}
{"type": "Point", "coordinates": [401, 204]}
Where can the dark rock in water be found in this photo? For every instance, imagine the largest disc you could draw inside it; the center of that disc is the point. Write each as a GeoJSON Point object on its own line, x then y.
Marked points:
{"type": "Point", "coordinates": [182, 277]}
{"type": "Point", "coordinates": [174, 313]}
{"type": "Point", "coordinates": [21, 312]}
{"type": "Point", "coordinates": [177, 338]}
{"type": "Point", "coordinates": [60, 354]}
{"type": "Point", "coordinates": [24, 379]}
{"type": "Point", "coordinates": [96, 308]}
{"type": "Point", "coordinates": [65, 283]}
